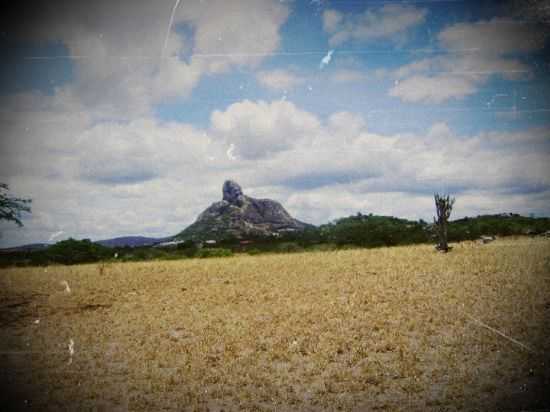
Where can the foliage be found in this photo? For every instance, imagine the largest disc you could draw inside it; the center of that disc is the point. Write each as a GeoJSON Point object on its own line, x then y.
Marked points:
{"type": "Point", "coordinates": [213, 252]}
{"type": "Point", "coordinates": [73, 251]}
{"type": "Point", "coordinates": [506, 224]}
{"type": "Point", "coordinates": [289, 247]}
{"type": "Point", "coordinates": [11, 207]}
{"type": "Point", "coordinates": [354, 231]}
{"type": "Point", "coordinates": [374, 231]}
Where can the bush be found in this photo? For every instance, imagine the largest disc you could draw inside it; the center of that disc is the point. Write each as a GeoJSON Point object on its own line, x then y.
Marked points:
{"type": "Point", "coordinates": [289, 247]}
{"type": "Point", "coordinates": [323, 247]}
{"type": "Point", "coordinates": [188, 248]}
{"type": "Point", "coordinates": [213, 252]}
{"type": "Point", "coordinates": [71, 251]}
{"type": "Point", "coordinates": [374, 231]}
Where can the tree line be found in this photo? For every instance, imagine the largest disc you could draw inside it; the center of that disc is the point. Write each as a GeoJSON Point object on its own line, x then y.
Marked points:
{"type": "Point", "coordinates": [360, 230]}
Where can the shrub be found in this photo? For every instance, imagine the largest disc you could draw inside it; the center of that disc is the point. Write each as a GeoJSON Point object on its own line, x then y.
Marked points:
{"type": "Point", "coordinates": [288, 247]}
{"type": "Point", "coordinates": [73, 251]}
{"type": "Point", "coordinates": [213, 252]}
{"type": "Point", "coordinates": [188, 248]}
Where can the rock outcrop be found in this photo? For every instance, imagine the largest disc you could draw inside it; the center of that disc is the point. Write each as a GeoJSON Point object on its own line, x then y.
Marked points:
{"type": "Point", "coordinates": [232, 193]}
{"type": "Point", "coordinates": [240, 216]}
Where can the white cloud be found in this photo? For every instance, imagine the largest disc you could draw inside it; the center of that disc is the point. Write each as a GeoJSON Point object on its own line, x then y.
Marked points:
{"type": "Point", "coordinates": [234, 32]}
{"type": "Point", "coordinates": [346, 124]}
{"type": "Point", "coordinates": [279, 79]}
{"type": "Point", "coordinates": [477, 51]}
{"type": "Point", "coordinates": [87, 179]}
{"type": "Point", "coordinates": [386, 22]}
{"type": "Point", "coordinates": [259, 129]}
{"type": "Point", "coordinates": [173, 79]}
{"type": "Point", "coordinates": [107, 179]}
{"type": "Point", "coordinates": [117, 51]}
{"type": "Point", "coordinates": [435, 89]}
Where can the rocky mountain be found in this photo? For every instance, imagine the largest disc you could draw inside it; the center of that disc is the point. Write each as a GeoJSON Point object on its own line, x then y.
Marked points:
{"type": "Point", "coordinates": [240, 216]}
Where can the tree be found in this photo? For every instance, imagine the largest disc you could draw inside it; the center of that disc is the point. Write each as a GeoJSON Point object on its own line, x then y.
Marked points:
{"type": "Point", "coordinates": [11, 207]}
{"type": "Point", "coordinates": [72, 251]}
{"type": "Point", "coordinates": [443, 206]}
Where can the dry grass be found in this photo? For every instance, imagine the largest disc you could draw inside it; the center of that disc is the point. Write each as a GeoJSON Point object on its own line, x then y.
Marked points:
{"type": "Point", "coordinates": [394, 328]}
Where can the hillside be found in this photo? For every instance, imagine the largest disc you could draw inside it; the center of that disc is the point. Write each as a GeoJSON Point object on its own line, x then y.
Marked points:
{"type": "Point", "coordinates": [238, 216]}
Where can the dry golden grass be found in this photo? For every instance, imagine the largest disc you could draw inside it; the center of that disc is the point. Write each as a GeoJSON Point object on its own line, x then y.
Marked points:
{"type": "Point", "coordinates": [392, 328]}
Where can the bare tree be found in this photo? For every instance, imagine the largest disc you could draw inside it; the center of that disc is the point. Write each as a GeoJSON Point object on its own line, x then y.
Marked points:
{"type": "Point", "coordinates": [11, 207]}
{"type": "Point", "coordinates": [443, 206]}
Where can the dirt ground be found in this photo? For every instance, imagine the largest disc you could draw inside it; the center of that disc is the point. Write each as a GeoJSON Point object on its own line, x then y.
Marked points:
{"type": "Point", "coordinates": [402, 328]}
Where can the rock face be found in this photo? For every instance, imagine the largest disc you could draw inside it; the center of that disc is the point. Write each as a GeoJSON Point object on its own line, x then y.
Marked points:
{"type": "Point", "coordinates": [239, 216]}
{"type": "Point", "coordinates": [233, 193]}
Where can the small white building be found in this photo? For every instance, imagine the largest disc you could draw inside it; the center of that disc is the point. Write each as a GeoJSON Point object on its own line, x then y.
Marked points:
{"type": "Point", "coordinates": [169, 243]}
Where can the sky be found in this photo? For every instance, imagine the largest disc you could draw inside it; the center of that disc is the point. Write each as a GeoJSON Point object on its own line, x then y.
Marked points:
{"type": "Point", "coordinates": [125, 117]}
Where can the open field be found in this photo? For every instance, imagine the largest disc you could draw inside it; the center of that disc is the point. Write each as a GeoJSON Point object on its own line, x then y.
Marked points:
{"type": "Point", "coordinates": [400, 328]}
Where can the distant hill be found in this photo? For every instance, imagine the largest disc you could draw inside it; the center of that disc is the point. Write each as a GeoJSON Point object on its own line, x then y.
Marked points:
{"type": "Point", "coordinates": [238, 216]}
{"type": "Point", "coordinates": [132, 241]}
{"type": "Point", "coordinates": [123, 241]}
{"type": "Point", "coordinates": [26, 248]}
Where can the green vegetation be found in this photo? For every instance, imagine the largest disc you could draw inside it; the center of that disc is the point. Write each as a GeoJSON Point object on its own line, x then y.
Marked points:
{"type": "Point", "coordinates": [364, 231]}
{"type": "Point", "coordinates": [497, 225]}
{"type": "Point", "coordinates": [374, 231]}
{"type": "Point", "coordinates": [66, 252]}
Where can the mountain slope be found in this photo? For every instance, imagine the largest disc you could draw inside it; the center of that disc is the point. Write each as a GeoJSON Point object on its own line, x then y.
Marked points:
{"type": "Point", "coordinates": [239, 216]}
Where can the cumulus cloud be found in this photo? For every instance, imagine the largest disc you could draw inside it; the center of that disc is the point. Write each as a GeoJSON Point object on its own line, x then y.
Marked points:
{"type": "Point", "coordinates": [258, 129]}
{"type": "Point", "coordinates": [97, 164]}
{"type": "Point", "coordinates": [346, 124]}
{"type": "Point", "coordinates": [234, 33]}
{"type": "Point", "coordinates": [279, 79]}
{"type": "Point", "coordinates": [340, 151]}
{"type": "Point", "coordinates": [147, 177]}
{"type": "Point", "coordinates": [476, 52]}
{"type": "Point", "coordinates": [121, 65]}
{"type": "Point", "coordinates": [433, 89]}
{"type": "Point", "coordinates": [386, 22]}
{"type": "Point", "coordinates": [106, 179]}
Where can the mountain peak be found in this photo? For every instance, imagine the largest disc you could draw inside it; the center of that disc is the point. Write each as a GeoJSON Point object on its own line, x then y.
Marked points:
{"type": "Point", "coordinates": [239, 216]}
{"type": "Point", "coordinates": [233, 193]}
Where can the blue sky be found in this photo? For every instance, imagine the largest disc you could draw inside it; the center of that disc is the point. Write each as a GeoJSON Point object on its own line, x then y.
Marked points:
{"type": "Point", "coordinates": [116, 122]}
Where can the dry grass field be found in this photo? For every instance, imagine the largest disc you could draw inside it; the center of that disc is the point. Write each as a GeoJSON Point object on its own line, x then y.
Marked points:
{"type": "Point", "coordinates": [401, 328]}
